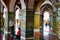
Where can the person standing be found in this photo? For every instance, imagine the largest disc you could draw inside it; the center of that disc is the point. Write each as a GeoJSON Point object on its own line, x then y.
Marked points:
{"type": "Point", "coordinates": [46, 31]}
{"type": "Point", "coordinates": [19, 34]}
{"type": "Point", "coordinates": [11, 25]}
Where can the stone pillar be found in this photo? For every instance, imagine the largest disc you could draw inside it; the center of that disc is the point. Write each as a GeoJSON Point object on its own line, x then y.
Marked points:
{"type": "Point", "coordinates": [37, 25]}
{"type": "Point", "coordinates": [23, 20]}
{"type": "Point", "coordinates": [30, 25]}
{"type": "Point", "coordinates": [23, 24]}
{"type": "Point", "coordinates": [36, 21]}
{"type": "Point", "coordinates": [5, 16]}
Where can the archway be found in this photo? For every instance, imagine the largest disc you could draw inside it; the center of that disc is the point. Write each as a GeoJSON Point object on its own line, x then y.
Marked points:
{"type": "Point", "coordinates": [20, 17]}
{"type": "Point", "coordinates": [21, 10]}
{"type": "Point", "coordinates": [46, 24]}
{"type": "Point", "coordinates": [48, 9]}
{"type": "Point", "coordinates": [17, 19]}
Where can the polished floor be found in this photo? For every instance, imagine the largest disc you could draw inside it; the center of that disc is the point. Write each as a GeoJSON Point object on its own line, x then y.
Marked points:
{"type": "Point", "coordinates": [38, 36]}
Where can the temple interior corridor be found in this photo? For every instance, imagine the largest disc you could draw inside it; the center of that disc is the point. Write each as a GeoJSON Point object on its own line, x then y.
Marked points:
{"type": "Point", "coordinates": [29, 19]}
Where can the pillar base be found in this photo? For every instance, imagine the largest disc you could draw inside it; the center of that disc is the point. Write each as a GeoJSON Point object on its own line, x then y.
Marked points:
{"type": "Point", "coordinates": [24, 38]}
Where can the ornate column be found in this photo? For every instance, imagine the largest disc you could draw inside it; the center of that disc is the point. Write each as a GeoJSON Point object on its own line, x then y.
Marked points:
{"type": "Point", "coordinates": [23, 20]}
{"type": "Point", "coordinates": [5, 16]}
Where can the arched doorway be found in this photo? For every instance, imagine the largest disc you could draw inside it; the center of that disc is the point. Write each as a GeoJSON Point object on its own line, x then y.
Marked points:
{"type": "Point", "coordinates": [47, 20]}
{"type": "Point", "coordinates": [46, 24]}
{"type": "Point", "coordinates": [20, 18]}
{"type": "Point", "coordinates": [17, 19]}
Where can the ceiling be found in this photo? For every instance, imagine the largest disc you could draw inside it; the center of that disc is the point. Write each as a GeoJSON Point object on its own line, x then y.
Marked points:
{"type": "Point", "coordinates": [33, 3]}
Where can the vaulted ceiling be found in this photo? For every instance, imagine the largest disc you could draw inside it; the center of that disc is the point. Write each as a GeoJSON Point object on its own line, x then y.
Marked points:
{"type": "Point", "coordinates": [30, 4]}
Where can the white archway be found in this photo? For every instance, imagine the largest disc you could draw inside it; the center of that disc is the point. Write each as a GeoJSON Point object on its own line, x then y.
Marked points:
{"type": "Point", "coordinates": [17, 19]}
